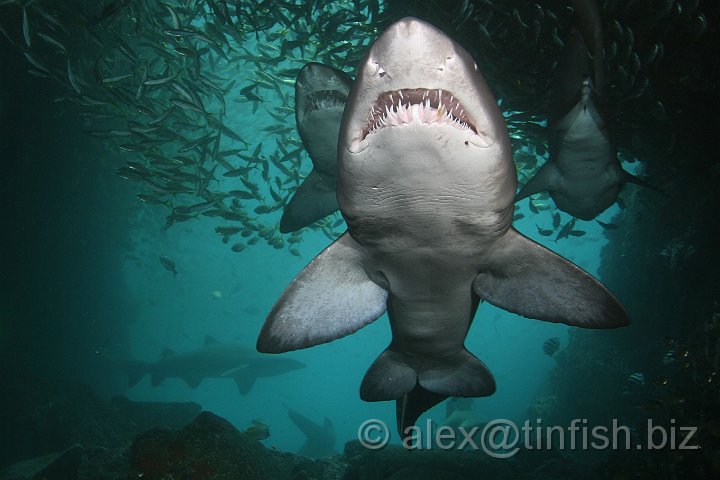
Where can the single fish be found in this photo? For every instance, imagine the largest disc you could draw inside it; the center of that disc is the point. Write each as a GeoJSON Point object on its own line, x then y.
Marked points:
{"type": "Point", "coordinates": [168, 264]}
{"type": "Point", "coordinates": [259, 430]}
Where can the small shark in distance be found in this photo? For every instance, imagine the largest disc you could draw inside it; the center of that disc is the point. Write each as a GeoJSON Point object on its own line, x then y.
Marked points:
{"type": "Point", "coordinates": [460, 414]}
{"type": "Point", "coordinates": [583, 174]}
{"type": "Point", "coordinates": [320, 95]}
{"type": "Point", "coordinates": [426, 184]}
{"type": "Point", "coordinates": [320, 439]}
{"type": "Point", "coordinates": [213, 360]}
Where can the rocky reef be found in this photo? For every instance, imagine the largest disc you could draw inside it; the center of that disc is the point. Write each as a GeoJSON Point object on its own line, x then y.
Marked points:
{"type": "Point", "coordinates": [210, 448]}
{"type": "Point", "coordinates": [78, 436]}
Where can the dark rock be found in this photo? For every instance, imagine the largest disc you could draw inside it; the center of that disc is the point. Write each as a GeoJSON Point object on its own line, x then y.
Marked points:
{"type": "Point", "coordinates": [145, 415]}
{"type": "Point", "coordinates": [64, 467]}
{"type": "Point", "coordinates": [398, 463]}
{"type": "Point", "coordinates": [556, 468]}
{"type": "Point", "coordinates": [55, 417]}
{"type": "Point", "coordinates": [209, 448]}
{"type": "Point", "coordinates": [28, 468]}
{"type": "Point", "coordinates": [417, 473]}
{"type": "Point", "coordinates": [76, 463]}
{"type": "Point", "coordinates": [105, 464]}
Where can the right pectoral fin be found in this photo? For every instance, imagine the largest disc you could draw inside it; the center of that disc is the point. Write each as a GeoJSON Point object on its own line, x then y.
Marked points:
{"type": "Point", "coordinates": [331, 298]}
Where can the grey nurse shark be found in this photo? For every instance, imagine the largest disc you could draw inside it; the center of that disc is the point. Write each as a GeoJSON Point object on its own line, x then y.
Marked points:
{"type": "Point", "coordinates": [320, 95]}
{"type": "Point", "coordinates": [426, 183]}
{"type": "Point", "coordinates": [583, 174]}
{"type": "Point", "coordinates": [214, 360]}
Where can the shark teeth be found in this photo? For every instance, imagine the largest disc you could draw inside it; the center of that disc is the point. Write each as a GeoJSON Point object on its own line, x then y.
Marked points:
{"type": "Point", "coordinates": [420, 105]}
{"type": "Point", "coordinates": [324, 99]}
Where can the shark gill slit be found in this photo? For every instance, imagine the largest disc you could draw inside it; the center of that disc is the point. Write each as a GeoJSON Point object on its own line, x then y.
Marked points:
{"type": "Point", "coordinates": [426, 105]}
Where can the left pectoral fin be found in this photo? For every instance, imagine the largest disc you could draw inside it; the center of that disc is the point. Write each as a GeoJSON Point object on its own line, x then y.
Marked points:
{"type": "Point", "coordinates": [524, 277]}
{"type": "Point", "coordinates": [331, 298]}
{"type": "Point", "coordinates": [314, 200]}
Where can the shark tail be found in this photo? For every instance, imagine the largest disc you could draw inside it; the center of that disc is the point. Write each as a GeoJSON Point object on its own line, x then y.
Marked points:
{"type": "Point", "coordinates": [419, 384]}
{"type": "Point", "coordinates": [413, 404]}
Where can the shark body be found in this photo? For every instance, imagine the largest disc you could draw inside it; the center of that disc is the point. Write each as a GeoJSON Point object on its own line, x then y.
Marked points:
{"type": "Point", "coordinates": [214, 360]}
{"type": "Point", "coordinates": [426, 184]}
{"type": "Point", "coordinates": [320, 95]}
{"type": "Point", "coordinates": [583, 174]}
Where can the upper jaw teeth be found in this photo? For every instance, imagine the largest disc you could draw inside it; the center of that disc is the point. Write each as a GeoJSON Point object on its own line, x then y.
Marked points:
{"type": "Point", "coordinates": [416, 105]}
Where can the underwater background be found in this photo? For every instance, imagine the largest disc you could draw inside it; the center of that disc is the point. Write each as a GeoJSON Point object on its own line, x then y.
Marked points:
{"type": "Point", "coordinates": [148, 151]}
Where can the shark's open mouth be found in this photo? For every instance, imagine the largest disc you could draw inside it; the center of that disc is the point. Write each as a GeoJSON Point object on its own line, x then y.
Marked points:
{"type": "Point", "coordinates": [324, 99]}
{"type": "Point", "coordinates": [408, 105]}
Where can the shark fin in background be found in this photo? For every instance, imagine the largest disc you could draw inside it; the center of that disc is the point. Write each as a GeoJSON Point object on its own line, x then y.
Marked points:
{"type": "Point", "coordinates": [210, 340]}
{"type": "Point", "coordinates": [244, 381]}
{"type": "Point", "coordinates": [524, 277]}
{"type": "Point", "coordinates": [136, 370]}
{"type": "Point", "coordinates": [331, 298]}
{"type": "Point", "coordinates": [193, 379]}
{"type": "Point", "coordinates": [156, 379]}
{"type": "Point", "coordinates": [167, 353]}
{"type": "Point", "coordinates": [546, 179]}
{"type": "Point", "coordinates": [458, 404]}
{"type": "Point", "coordinates": [320, 440]}
{"type": "Point", "coordinates": [314, 200]}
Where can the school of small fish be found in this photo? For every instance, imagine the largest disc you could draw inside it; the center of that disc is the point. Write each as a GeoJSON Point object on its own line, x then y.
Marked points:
{"type": "Point", "coordinates": [198, 94]}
